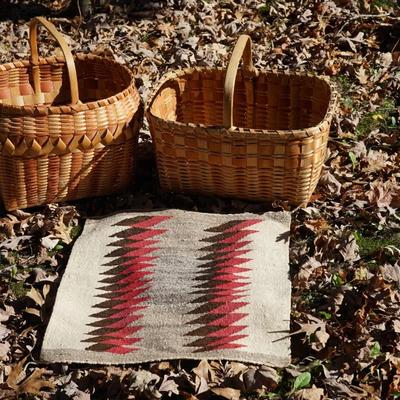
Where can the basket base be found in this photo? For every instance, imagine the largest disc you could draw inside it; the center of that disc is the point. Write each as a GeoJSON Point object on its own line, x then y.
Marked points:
{"type": "Point", "coordinates": [29, 182]}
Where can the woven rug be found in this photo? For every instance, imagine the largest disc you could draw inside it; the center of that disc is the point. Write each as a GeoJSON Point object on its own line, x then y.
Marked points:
{"type": "Point", "coordinates": [175, 284]}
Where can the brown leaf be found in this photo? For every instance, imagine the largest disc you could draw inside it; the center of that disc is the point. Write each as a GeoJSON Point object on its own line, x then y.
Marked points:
{"type": "Point", "coordinates": [306, 270]}
{"type": "Point", "coordinates": [391, 273]}
{"type": "Point", "coordinates": [385, 59]}
{"type": "Point", "coordinates": [350, 251]}
{"type": "Point", "coordinates": [143, 379]}
{"type": "Point", "coordinates": [317, 226]}
{"type": "Point", "coordinates": [166, 29]}
{"type": "Point", "coordinates": [396, 325]}
{"type": "Point", "coordinates": [22, 215]}
{"type": "Point", "coordinates": [362, 76]}
{"type": "Point", "coordinates": [346, 391]}
{"type": "Point", "coordinates": [382, 193]}
{"type": "Point", "coordinates": [46, 290]}
{"type": "Point", "coordinates": [39, 275]}
{"type": "Point", "coordinates": [359, 149]}
{"type": "Point", "coordinates": [34, 383]}
{"type": "Point", "coordinates": [49, 242]}
{"type": "Point", "coordinates": [310, 328]}
{"type": "Point", "coordinates": [312, 393]}
{"type": "Point", "coordinates": [206, 371]}
{"type": "Point", "coordinates": [14, 242]}
{"type": "Point", "coordinates": [6, 313]}
{"type": "Point", "coordinates": [4, 349]}
{"type": "Point", "coordinates": [8, 394]}
{"type": "Point", "coordinates": [33, 311]}
{"type": "Point", "coordinates": [377, 160]}
{"type": "Point", "coordinates": [163, 366]}
{"type": "Point", "coordinates": [35, 295]}
{"type": "Point", "coordinates": [227, 393]}
{"type": "Point", "coordinates": [317, 328]}
{"type": "Point", "coordinates": [7, 226]}
{"type": "Point", "coordinates": [16, 374]}
{"type": "Point", "coordinates": [268, 376]}
{"type": "Point", "coordinates": [11, 225]}
{"type": "Point", "coordinates": [332, 184]}
{"type": "Point", "coordinates": [4, 332]}
{"type": "Point", "coordinates": [169, 386]}
{"type": "Point", "coordinates": [321, 337]}
{"type": "Point", "coordinates": [249, 379]}
{"type": "Point", "coordinates": [257, 378]}
{"type": "Point", "coordinates": [73, 392]}
{"type": "Point", "coordinates": [201, 385]}
{"type": "Point", "coordinates": [236, 368]}
{"type": "Point", "coordinates": [62, 232]}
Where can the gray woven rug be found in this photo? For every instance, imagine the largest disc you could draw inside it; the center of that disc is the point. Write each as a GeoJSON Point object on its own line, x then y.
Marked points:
{"type": "Point", "coordinates": [172, 285]}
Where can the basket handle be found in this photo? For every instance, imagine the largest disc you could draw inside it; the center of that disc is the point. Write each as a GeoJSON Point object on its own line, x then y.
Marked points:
{"type": "Point", "coordinates": [69, 60]}
{"type": "Point", "coordinates": [241, 50]}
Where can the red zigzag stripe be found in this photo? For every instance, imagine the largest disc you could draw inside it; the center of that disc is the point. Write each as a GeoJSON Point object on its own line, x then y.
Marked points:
{"type": "Point", "coordinates": [126, 285]}
{"type": "Point", "coordinates": [222, 291]}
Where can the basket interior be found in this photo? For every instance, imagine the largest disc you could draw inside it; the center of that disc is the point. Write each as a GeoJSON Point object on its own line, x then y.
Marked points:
{"type": "Point", "coordinates": [97, 79]}
{"type": "Point", "coordinates": [269, 101]}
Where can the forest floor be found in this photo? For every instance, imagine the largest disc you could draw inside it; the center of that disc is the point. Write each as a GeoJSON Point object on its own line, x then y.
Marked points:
{"type": "Point", "coordinates": [344, 247]}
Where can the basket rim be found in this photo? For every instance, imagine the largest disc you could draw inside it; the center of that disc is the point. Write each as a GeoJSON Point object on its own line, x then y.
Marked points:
{"type": "Point", "coordinates": [66, 108]}
{"type": "Point", "coordinates": [240, 131]}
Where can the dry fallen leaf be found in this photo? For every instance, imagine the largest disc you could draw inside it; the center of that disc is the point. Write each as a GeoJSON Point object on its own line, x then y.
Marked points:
{"type": "Point", "coordinates": [4, 332]}
{"type": "Point", "coordinates": [236, 368]}
{"type": "Point", "coordinates": [15, 242]}
{"type": "Point", "coordinates": [317, 328]}
{"type": "Point", "coordinates": [205, 370]}
{"type": "Point", "coordinates": [16, 374]}
{"type": "Point", "coordinates": [227, 393]}
{"type": "Point", "coordinates": [391, 273]}
{"type": "Point", "coordinates": [362, 75]}
{"type": "Point", "coordinates": [4, 350]}
{"type": "Point", "coordinates": [6, 313]}
{"type": "Point", "coordinates": [262, 377]}
{"type": "Point", "coordinates": [333, 185]}
{"type": "Point", "coordinates": [72, 390]}
{"type": "Point", "coordinates": [48, 242]}
{"type": "Point", "coordinates": [313, 393]}
{"type": "Point", "coordinates": [34, 383]}
{"type": "Point", "coordinates": [169, 386]}
{"type": "Point", "coordinates": [142, 380]}
{"type": "Point", "coordinates": [35, 295]}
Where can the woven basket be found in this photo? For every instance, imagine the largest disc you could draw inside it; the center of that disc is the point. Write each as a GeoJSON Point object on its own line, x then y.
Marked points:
{"type": "Point", "coordinates": [266, 142]}
{"type": "Point", "coordinates": [68, 127]}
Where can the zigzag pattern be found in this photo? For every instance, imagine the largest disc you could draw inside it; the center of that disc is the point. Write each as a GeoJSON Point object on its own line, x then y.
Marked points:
{"type": "Point", "coordinates": [222, 291]}
{"type": "Point", "coordinates": [126, 284]}
{"type": "Point", "coordinates": [21, 146]}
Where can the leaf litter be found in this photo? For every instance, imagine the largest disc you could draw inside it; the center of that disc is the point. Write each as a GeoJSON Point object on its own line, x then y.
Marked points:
{"type": "Point", "coordinates": [344, 246]}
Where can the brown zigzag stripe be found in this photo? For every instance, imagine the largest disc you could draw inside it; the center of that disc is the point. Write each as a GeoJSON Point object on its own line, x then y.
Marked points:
{"type": "Point", "coordinates": [133, 221]}
{"type": "Point", "coordinates": [221, 290]}
{"type": "Point", "coordinates": [125, 286]}
{"type": "Point", "coordinates": [235, 224]}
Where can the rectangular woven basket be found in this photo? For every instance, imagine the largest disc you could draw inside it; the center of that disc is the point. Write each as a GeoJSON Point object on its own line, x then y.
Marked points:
{"type": "Point", "coordinates": [243, 134]}
{"type": "Point", "coordinates": [68, 126]}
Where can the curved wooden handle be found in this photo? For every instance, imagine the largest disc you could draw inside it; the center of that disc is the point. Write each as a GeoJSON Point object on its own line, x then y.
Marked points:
{"type": "Point", "coordinates": [241, 50]}
{"type": "Point", "coordinates": [69, 60]}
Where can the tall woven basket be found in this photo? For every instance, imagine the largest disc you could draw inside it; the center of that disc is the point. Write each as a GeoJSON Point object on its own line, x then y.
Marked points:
{"type": "Point", "coordinates": [242, 134]}
{"type": "Point", "coordinates": [68, 126]}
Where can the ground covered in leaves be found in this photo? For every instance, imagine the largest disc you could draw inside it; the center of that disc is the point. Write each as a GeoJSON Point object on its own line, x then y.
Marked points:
{"type": "Point", "coordinates": [344, 247]}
